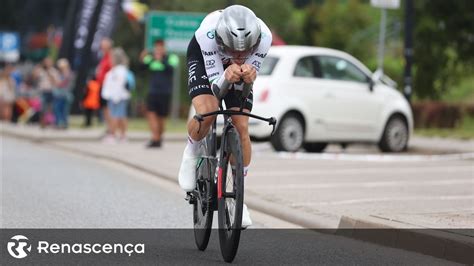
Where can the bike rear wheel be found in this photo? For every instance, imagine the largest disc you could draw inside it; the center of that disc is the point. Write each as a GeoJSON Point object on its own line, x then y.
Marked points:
{"type": "Point", "coordinates": [230, 195]}
{"type": "Point", "coordinates": [203, 209]}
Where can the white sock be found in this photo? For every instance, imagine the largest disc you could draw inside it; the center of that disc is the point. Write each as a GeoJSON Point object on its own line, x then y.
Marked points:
{"type": "Point", "coordinates": [192, 147]}
{"type": "Point", "coordinates": [246, 169]}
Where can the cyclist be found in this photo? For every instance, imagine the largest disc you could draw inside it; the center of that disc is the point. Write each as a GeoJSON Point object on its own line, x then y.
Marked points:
{"type": "Point", "coordinates": [228, 47]}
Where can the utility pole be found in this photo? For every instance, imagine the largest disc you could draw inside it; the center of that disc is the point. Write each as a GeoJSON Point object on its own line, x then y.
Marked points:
{"type": "Point", "coordinates": [383, 5]}
{"type": "Point", "coordinates": [409, 52]}
{"type": "Point", "coordinates": [383, 24]}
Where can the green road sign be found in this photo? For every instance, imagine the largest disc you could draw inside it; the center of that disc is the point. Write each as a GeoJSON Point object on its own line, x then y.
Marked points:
{"type": "Point", "coordinates": [176, 28]}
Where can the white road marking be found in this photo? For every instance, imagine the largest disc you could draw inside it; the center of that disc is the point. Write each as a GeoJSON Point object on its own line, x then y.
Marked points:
{"type": "Point", "coordinates": [369, 184]}
{"type": "Point", "coordinates": [374, 157]}
{"type": "Point", "coordinates": [384, 199]}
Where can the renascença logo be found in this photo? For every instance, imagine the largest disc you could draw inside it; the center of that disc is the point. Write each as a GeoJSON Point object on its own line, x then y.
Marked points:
{"type": "Point", "coordinates": [19, 247]}
{"type": "Point", "coordinates": [87, 248]}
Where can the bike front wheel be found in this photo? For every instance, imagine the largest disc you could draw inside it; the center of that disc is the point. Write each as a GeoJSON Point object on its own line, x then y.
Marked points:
{"type": "Point", "coordinates": [204, 194]}
{"type": "Point", "coordinates": [230, 195]}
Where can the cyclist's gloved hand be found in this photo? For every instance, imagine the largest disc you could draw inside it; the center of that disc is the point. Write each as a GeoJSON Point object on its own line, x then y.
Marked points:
{"type": "Point", "coordinates": [221, 86]}
{"type": "Point", "coordinates": [233, 73]}
{"type": "Point", "coordinates": [249, 74]}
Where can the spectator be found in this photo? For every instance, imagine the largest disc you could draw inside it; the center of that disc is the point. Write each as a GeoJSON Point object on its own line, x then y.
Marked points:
{"type": "Point", "coordinates": [161, 65]}
{"type": "Point", "coordinates": [29, 96]}
{"type": "Point", "coordinates": [7, 93]}
{"type": "Point", "coordinates": [117, 95]}
{"type": "Point", "coordinates": [103, 67]}
{"type": "Point", "coordinates": [62, 94]}
{"type": "Point", "coordinates": [91, 101]}
{"type": "Point", "coordinates": [47, 77]}
{"type": "Point", "coordinates": [17, 76]}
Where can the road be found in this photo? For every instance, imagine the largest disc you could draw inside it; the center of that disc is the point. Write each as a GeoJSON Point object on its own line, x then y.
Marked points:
{"type": "Point", "coordinates": [420, 190]}
{"type": "Point", "coordinates": [62, 190]}
{"type": "Point", "coordinates": [49, 189]}
{"type": "Point", "coordinates": [46, 188]}
{"type": "Point", "coordinates": [425, 190]}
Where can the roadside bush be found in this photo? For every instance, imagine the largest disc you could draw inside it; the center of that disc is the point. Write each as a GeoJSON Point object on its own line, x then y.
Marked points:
{"type": "Point", "coordinates": [469, 110]}
{"type": "Point", "coordinates": [439, 114]}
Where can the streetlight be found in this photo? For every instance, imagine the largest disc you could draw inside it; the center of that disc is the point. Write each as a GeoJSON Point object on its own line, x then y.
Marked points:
{"type": "Point", "coordinates": [383, 5]}
{"type": "Point", "coordinates": [407, 77]}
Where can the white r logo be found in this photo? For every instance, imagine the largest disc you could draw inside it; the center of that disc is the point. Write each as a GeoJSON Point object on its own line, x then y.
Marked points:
{"type": "Point", "coordinates": [18, 247]}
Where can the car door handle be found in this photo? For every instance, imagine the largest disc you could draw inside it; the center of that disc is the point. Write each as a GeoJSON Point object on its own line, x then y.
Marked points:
{"type": "Point", "coordinates": [329, 95]}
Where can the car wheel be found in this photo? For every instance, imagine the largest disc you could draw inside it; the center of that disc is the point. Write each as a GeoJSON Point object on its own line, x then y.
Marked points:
{"type": "Point", "coordinates": [395, 136]}
{"type": "Point", "coordinates": [289, 135]}
{"type": "Point", "coordinates": [315, 146]}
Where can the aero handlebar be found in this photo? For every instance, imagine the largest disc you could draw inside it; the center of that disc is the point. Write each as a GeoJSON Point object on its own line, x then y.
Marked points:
{"type": "Point", "coordinates": [200, 117]}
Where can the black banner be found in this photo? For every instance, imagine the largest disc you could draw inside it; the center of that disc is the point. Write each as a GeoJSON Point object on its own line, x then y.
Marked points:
{"type": "Point", "coordinates": [67, 45]}
{"type": "Point", "coordinates": [106, 23]}
{"type": "Point", "coordinates": [89, 22]}
{"type": "Point", "coordinates": [85, 28]}
{"type": "Point", "coordinates": [80, 24]}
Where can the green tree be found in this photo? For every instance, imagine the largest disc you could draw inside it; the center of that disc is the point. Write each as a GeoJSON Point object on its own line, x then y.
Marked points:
{"type": "Point", "coordinates": [204, 6]}
{"type": "Point", "coordinates": [443, 45]}
{"type": "Point", "coordinates": [334, 24]}
{"type": "Point", "coordinates": [278, 14]}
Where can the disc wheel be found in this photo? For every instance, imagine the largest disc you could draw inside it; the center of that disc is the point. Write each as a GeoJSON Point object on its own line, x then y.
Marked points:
{"type": "Point", "coordinates": [231, 191]}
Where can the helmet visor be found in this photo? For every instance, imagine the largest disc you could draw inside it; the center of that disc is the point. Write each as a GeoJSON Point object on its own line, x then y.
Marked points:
{"type": "Point", "coordinates": [232, 54]}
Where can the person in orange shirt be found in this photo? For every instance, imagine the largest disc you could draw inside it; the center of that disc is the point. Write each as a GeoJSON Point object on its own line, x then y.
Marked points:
{"type": "Point", "coordinates": [91, 102]}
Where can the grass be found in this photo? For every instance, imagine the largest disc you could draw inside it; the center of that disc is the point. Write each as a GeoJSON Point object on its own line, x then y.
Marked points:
{"type": "Point", "coordinates": [134, 124]}
{"type": "Point", "coordinates": [464, 92]}
{"type": "Point", "coordinates": [464, 131]}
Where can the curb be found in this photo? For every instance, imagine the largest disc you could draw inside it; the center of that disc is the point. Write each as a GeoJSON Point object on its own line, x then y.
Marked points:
{"type": "Point", "coordinates": [78, 138]}
{"type": "Point", "coordinates": [434, 242]}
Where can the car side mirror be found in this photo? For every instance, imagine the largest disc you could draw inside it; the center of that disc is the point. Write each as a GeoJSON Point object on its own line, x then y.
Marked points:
{"type": "Point", "coordinates": [375, 78]}
{"type": "Point", "coordinates": [371, 83]}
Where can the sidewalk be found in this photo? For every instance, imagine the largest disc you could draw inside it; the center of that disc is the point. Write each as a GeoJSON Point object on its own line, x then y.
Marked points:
{"type": "Point", "coordinates": [164, 163]}
{"type": "Point", "coordinates": [94, 134]}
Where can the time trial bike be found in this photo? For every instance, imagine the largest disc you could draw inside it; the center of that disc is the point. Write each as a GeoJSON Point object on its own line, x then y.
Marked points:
{"type": "Point", "coordinates": [220, 180]}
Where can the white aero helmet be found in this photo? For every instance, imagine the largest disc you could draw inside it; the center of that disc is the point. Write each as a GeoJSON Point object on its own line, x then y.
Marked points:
{"type": "Point", "coordinates": [238, 32]}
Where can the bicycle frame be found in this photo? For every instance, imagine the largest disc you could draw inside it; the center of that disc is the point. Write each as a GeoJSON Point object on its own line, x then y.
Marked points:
{"type": "Point", "coordinates": [227, 126]}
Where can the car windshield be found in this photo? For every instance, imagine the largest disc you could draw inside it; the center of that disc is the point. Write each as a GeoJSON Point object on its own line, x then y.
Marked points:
{"type": "Point", "coordinates": [268, 65]}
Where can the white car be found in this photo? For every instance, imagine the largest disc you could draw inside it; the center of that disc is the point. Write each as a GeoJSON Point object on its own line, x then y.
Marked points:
{"type": "Point", "coordinates": [321, 96]}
